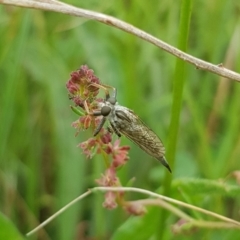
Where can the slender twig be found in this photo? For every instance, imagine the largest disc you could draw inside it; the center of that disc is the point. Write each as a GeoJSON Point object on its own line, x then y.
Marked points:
{"type": "Point", "coordinates": [171, 200]}
{"type": "Point", "coordinates": [230, 222]}
{"type": "Point", "coordinates": [165, 205]}
{"type": "Point", "coordinates": [58, 213]}
{"type": "Point", "coordinates": [55, 6]}
{"type": "Point", "coordinates": [190, 222]}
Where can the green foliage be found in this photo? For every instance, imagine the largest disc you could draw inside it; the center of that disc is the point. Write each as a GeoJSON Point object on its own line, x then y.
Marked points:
{"type": "Point", "coordinates": [206, 187]}
{"type": "Point", "coordinates": [41, 168]}
{"type": "Point", "coordinates": [8, 230]}
{"type": "Point", "coordinates": [138, 227]}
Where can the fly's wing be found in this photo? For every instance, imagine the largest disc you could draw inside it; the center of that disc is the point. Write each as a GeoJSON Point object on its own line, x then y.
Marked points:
{"type": "Point", "coordinates": [135, 129]}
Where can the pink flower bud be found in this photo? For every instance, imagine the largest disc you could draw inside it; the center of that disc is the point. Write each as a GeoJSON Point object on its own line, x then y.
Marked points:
{"type": "Point", "coordinates": [110, 200]}
{"type": "Point", "coordinates": [135, 208]}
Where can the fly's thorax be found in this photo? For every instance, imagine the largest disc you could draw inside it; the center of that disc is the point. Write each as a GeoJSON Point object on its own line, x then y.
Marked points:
{"type": "Point", "coordinates": [121, 116]}
{"type": "Point", "coordinates": [125, 114]}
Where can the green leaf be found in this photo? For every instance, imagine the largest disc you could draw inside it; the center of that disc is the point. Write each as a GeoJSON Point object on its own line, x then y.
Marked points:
{"type": "Point", "coordinates": [77, 111]}
{"type": "Point", "coordinates": [8, 230]}
{"type": "Point", "coordinates": [205, 186]}
{"type": "Point", "coordinates": [140, 228]}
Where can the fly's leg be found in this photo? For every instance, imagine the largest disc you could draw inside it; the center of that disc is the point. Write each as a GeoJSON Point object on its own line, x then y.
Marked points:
{"type": "Point", "coordinates": [99, 127]}
{"type": "Point", "coordinates": [112, 99]}
{"type": "Point", "coordinates": [96, 114]}
{"type": "Point", "coordinates": [115, 129]}
{"type": "Point", "coordinates": [110, 130]}
{"type": "Point", "coordinates": [105, 110]}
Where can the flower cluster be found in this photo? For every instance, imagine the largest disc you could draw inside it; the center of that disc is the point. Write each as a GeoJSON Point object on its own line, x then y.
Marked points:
{"type": "Point", "coordinates": [83, 88]}
{"type": "Point", "coordinates": [80, 86]}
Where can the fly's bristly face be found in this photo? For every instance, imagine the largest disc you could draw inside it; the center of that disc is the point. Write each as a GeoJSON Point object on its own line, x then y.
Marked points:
{"type": "Point", "coordinates": [123, 121]}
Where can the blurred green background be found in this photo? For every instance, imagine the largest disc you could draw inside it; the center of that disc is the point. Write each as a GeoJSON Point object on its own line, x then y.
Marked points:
{"type": "Point", "coordinates": [41, 168]}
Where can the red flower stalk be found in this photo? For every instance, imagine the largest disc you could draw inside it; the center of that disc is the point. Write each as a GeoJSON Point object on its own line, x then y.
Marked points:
{"type": "Point", "coordinates": [83, 90]}
{"type": "Point", "coordinates": [119, 154]}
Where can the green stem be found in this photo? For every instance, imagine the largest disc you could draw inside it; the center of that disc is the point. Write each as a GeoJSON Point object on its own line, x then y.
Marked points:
{"type": "Point", "coordinates": [178, 84]}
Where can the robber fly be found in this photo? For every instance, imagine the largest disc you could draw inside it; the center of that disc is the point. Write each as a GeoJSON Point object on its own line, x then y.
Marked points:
{"type": "Point", "coordinates": [124, 121]}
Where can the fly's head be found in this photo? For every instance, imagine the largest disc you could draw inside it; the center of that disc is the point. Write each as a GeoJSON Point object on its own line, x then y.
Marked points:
{"type": "Point", "coordinates": [109, 103]}
{"type": "Point", "coordinates": [105, 109]}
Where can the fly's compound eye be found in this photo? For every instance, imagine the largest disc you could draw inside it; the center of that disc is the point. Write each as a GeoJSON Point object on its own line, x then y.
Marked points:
{"type": "Point", "coordinates": [112, 100]}
{"type": "Point", "coordinates": [105, 110]}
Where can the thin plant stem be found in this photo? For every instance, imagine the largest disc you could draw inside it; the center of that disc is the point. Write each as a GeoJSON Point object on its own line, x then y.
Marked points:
{"type": "Point", "coordinates": [178, 86]}
{"type": "Point", "coordinates": [56, 6]}
{"type": "Point", "coordinates": [231, 223]}
{"type": "Point", "coordinates": [58, 213]}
